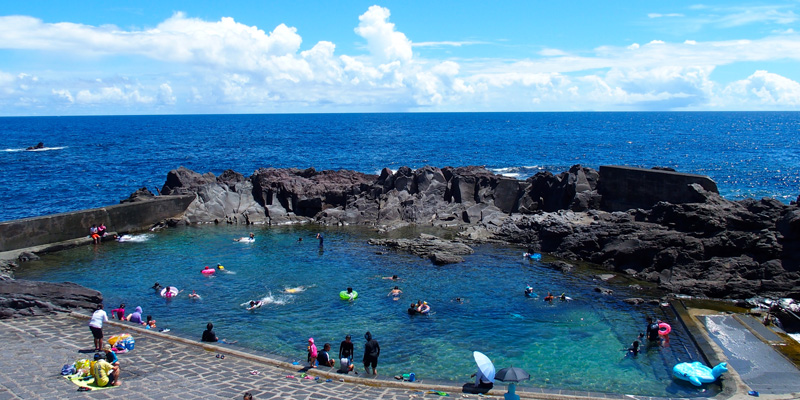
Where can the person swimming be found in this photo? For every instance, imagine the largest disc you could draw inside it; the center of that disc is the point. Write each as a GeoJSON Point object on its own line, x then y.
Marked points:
{"type": "Point", "coordinates": [350, 293]}
{"type": "Point", "coordinates": [251, 238]}
{"type": "Point", "coordinates": [194, 295]}
{"type": "Point", "coordinates": [255, 304]}
{"type": "Point", "coordinates": [393, 277]}
{"type": "Point", "coordinates": [412, 309]}
{"type": "Point", "coordinates": [549, 298]}
{"type": "Point", "coordinates": [529, 291]}
{"type": "Point", "coordinates": [424, 308]}
{"type": "Point", "coordinates": [156, 286]}
{"type": "Point", "coordinates": [220, 267]}
{"type": "Point", "coordinates": [395, 292]}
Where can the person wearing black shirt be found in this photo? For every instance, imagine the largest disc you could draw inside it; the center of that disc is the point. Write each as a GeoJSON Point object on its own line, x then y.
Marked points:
{"type": "Point", "coordinates": [208, 334]}
{"type": "Point", "coordinates": [346, 354]}
{"type": "Point", "coordinates": [324, 358]}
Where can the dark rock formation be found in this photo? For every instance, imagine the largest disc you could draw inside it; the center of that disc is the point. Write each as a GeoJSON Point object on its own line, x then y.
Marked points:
{"type": "Point", "coordinates": [140, 195]}
{"type": "Point", "coordinates": [27, 298]}
{"type": "Point", "coordinates": [439, 251]}
{"type": "Point", "coordinates": [698, 244]}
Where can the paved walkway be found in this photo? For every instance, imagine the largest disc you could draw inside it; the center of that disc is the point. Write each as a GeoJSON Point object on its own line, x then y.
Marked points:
{"type": "Point", "coordinates": [34, 349]}
{"type": "Point", "coordinates": [759, 366]}
{"type": "Point", "coordinates": [165, 367]}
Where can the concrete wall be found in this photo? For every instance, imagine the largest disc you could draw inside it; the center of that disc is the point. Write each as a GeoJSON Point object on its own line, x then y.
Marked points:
{"type": "Point", "coordinates": [624, 188]}
{"type": "Point", "coordinates": [29, 232]}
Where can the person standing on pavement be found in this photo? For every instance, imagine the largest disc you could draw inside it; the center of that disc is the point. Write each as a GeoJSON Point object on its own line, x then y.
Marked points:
{"type": "Point", "coordinates": [96, 326]}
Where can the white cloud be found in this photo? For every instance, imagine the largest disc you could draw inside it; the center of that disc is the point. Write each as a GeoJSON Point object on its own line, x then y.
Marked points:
{"type": "Point", "coordinates": [382, 39]}
{"type": "Point", "coordinates": [765, 89]}
{"type": "Point", "coordinates": [552, 53]}
{"type": "Point", "coordinates": [226, 66]}
{"type": "Point", "coordinates": [113, 94]}
{"type": "Point", "coordinates": [670, 15]}
{"type": "Point", "coordinates": [165, 95]}
{"type": "Point", "coordinates": [447, 43]}
{"type": "Point", "coordinates": [64, 94]}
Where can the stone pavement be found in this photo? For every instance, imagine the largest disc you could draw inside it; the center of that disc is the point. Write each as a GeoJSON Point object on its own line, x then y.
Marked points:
{"type": "Point", "coordinates": [34, 349]}
{"type": "Point", "coordinates": [162, 366]}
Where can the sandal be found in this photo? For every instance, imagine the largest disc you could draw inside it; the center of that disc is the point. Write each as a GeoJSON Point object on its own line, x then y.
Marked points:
{"type": "Point", "coordinates": [84, 389]}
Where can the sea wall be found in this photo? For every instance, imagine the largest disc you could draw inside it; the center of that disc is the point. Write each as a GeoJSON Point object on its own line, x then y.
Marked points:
{"type": "Point", "coordinates": [36, 231]}
{"type": "Point", "coordinates": [624, 188]}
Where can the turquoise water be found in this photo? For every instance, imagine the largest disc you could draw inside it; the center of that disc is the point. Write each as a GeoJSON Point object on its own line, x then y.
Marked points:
{"type": "Point", "coordinates": [565, 345]}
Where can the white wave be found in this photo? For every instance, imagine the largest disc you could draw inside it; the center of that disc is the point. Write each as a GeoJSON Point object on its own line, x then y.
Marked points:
{"type": "Point", "coordinates": [378, 172]}
{"type": "Point", "coordinates": [136, 238]}
{"type": "Point", "coordinates": [298, 289]}
{"type": "Point", "coordinates": [512, 174]}
{"type": "Point", "coordinates": [42, 149]}
{"type": "Point", "coordinates": [270, 299]}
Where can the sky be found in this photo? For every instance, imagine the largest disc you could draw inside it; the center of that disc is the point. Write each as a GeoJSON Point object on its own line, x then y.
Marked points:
{"type": "Point", "coordinates": [208, 57]}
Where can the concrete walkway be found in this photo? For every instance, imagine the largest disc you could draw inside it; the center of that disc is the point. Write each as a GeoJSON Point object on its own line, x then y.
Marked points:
{"type": "Point", "coordinates": [760, 367]}
{"type": "Point", "coordinates": [165, 367]}
{"type": "Point", "coordinates": [33, 349]}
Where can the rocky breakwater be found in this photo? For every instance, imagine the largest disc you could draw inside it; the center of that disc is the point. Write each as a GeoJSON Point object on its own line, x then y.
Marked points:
{"type": "Point", "coordinates": [700, 244]}
{"type": "Point", "coordinates": [19, 298]}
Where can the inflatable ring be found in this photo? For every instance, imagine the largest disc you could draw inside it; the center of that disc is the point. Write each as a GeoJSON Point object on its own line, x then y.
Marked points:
{"type": "Point", "coordinates": [344, 296]}
{"type": "Point", "coordinates": [208, 271]}
{"type": "Point", "coordinates": [664, 329]}
{"type": "Point", "coordinates": [172, 290]}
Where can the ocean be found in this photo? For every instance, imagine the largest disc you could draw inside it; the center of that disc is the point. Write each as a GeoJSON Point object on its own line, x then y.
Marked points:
{"type": "Point", "coordinates": [99, 160]}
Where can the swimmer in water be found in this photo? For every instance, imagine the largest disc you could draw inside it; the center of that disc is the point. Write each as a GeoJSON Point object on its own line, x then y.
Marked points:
{"type": "Point", "coordinates": [220, 267]}
{"type": "Point", "coordinates": [424, 308]}
{"type": "Point", "coordinates": [194, 295]}
{"type": "Point", "coordinates": [395, 292]}
{"type": "Point", "coordinates": [459, 300]}
{"type": "Point", "coordinates": [528, 291]}
{"type": "Point", "coordinates": [634, 349]}
{"type": "Point", "coordinates": [350, 293]}
{"type": "Point", "coordinates": [252, 238]}
{"type": "Point", "coordinates": [255, 304]}
{"type": "Point", "coordinates": [549, 298]}
{"type": "Point", "coordinates": [393, 277]}
{"type": "Point", "coordinates": [156, 286]}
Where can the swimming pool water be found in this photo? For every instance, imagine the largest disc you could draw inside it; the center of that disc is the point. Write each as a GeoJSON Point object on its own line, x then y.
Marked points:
{"type": "Point", "coordinates": [564, 345]}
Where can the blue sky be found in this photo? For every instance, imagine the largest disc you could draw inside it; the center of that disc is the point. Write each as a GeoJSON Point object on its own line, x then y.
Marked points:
{"type": "Point", "coordinates": [175, 57]}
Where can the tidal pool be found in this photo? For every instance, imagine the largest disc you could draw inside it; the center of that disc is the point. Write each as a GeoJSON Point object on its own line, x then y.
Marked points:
{"type": "Point", "coordinates": [575, 345]}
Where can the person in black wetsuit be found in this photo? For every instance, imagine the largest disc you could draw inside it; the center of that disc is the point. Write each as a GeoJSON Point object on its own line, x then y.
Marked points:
{"type": "Point", "coordinates": [371, 352]}
{"type": "Point", "coordinates": [651, 332]}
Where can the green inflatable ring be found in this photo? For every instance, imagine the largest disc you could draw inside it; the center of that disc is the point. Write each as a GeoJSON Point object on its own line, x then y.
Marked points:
{"type": "Point", "coordinates": [344, 296]}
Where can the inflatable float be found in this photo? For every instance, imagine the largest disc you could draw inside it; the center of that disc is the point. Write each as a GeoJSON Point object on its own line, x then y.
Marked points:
{"type": "Point", "coordinates": [664, 329]}
{"type": "Point", "coordinates": [208, 271]}
{"type": "Point", "coordinates": [344, 296]}
{"type": "Point", "coordinates": [697, 373]}
{"type": "Point", "coordinates": [172, 289]}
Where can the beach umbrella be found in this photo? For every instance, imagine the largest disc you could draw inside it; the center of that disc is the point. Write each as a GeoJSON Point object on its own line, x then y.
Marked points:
{"type": "Point", "coordinates": [512, 374]}
{"type": "Point", "coordinates": [484, 365]}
